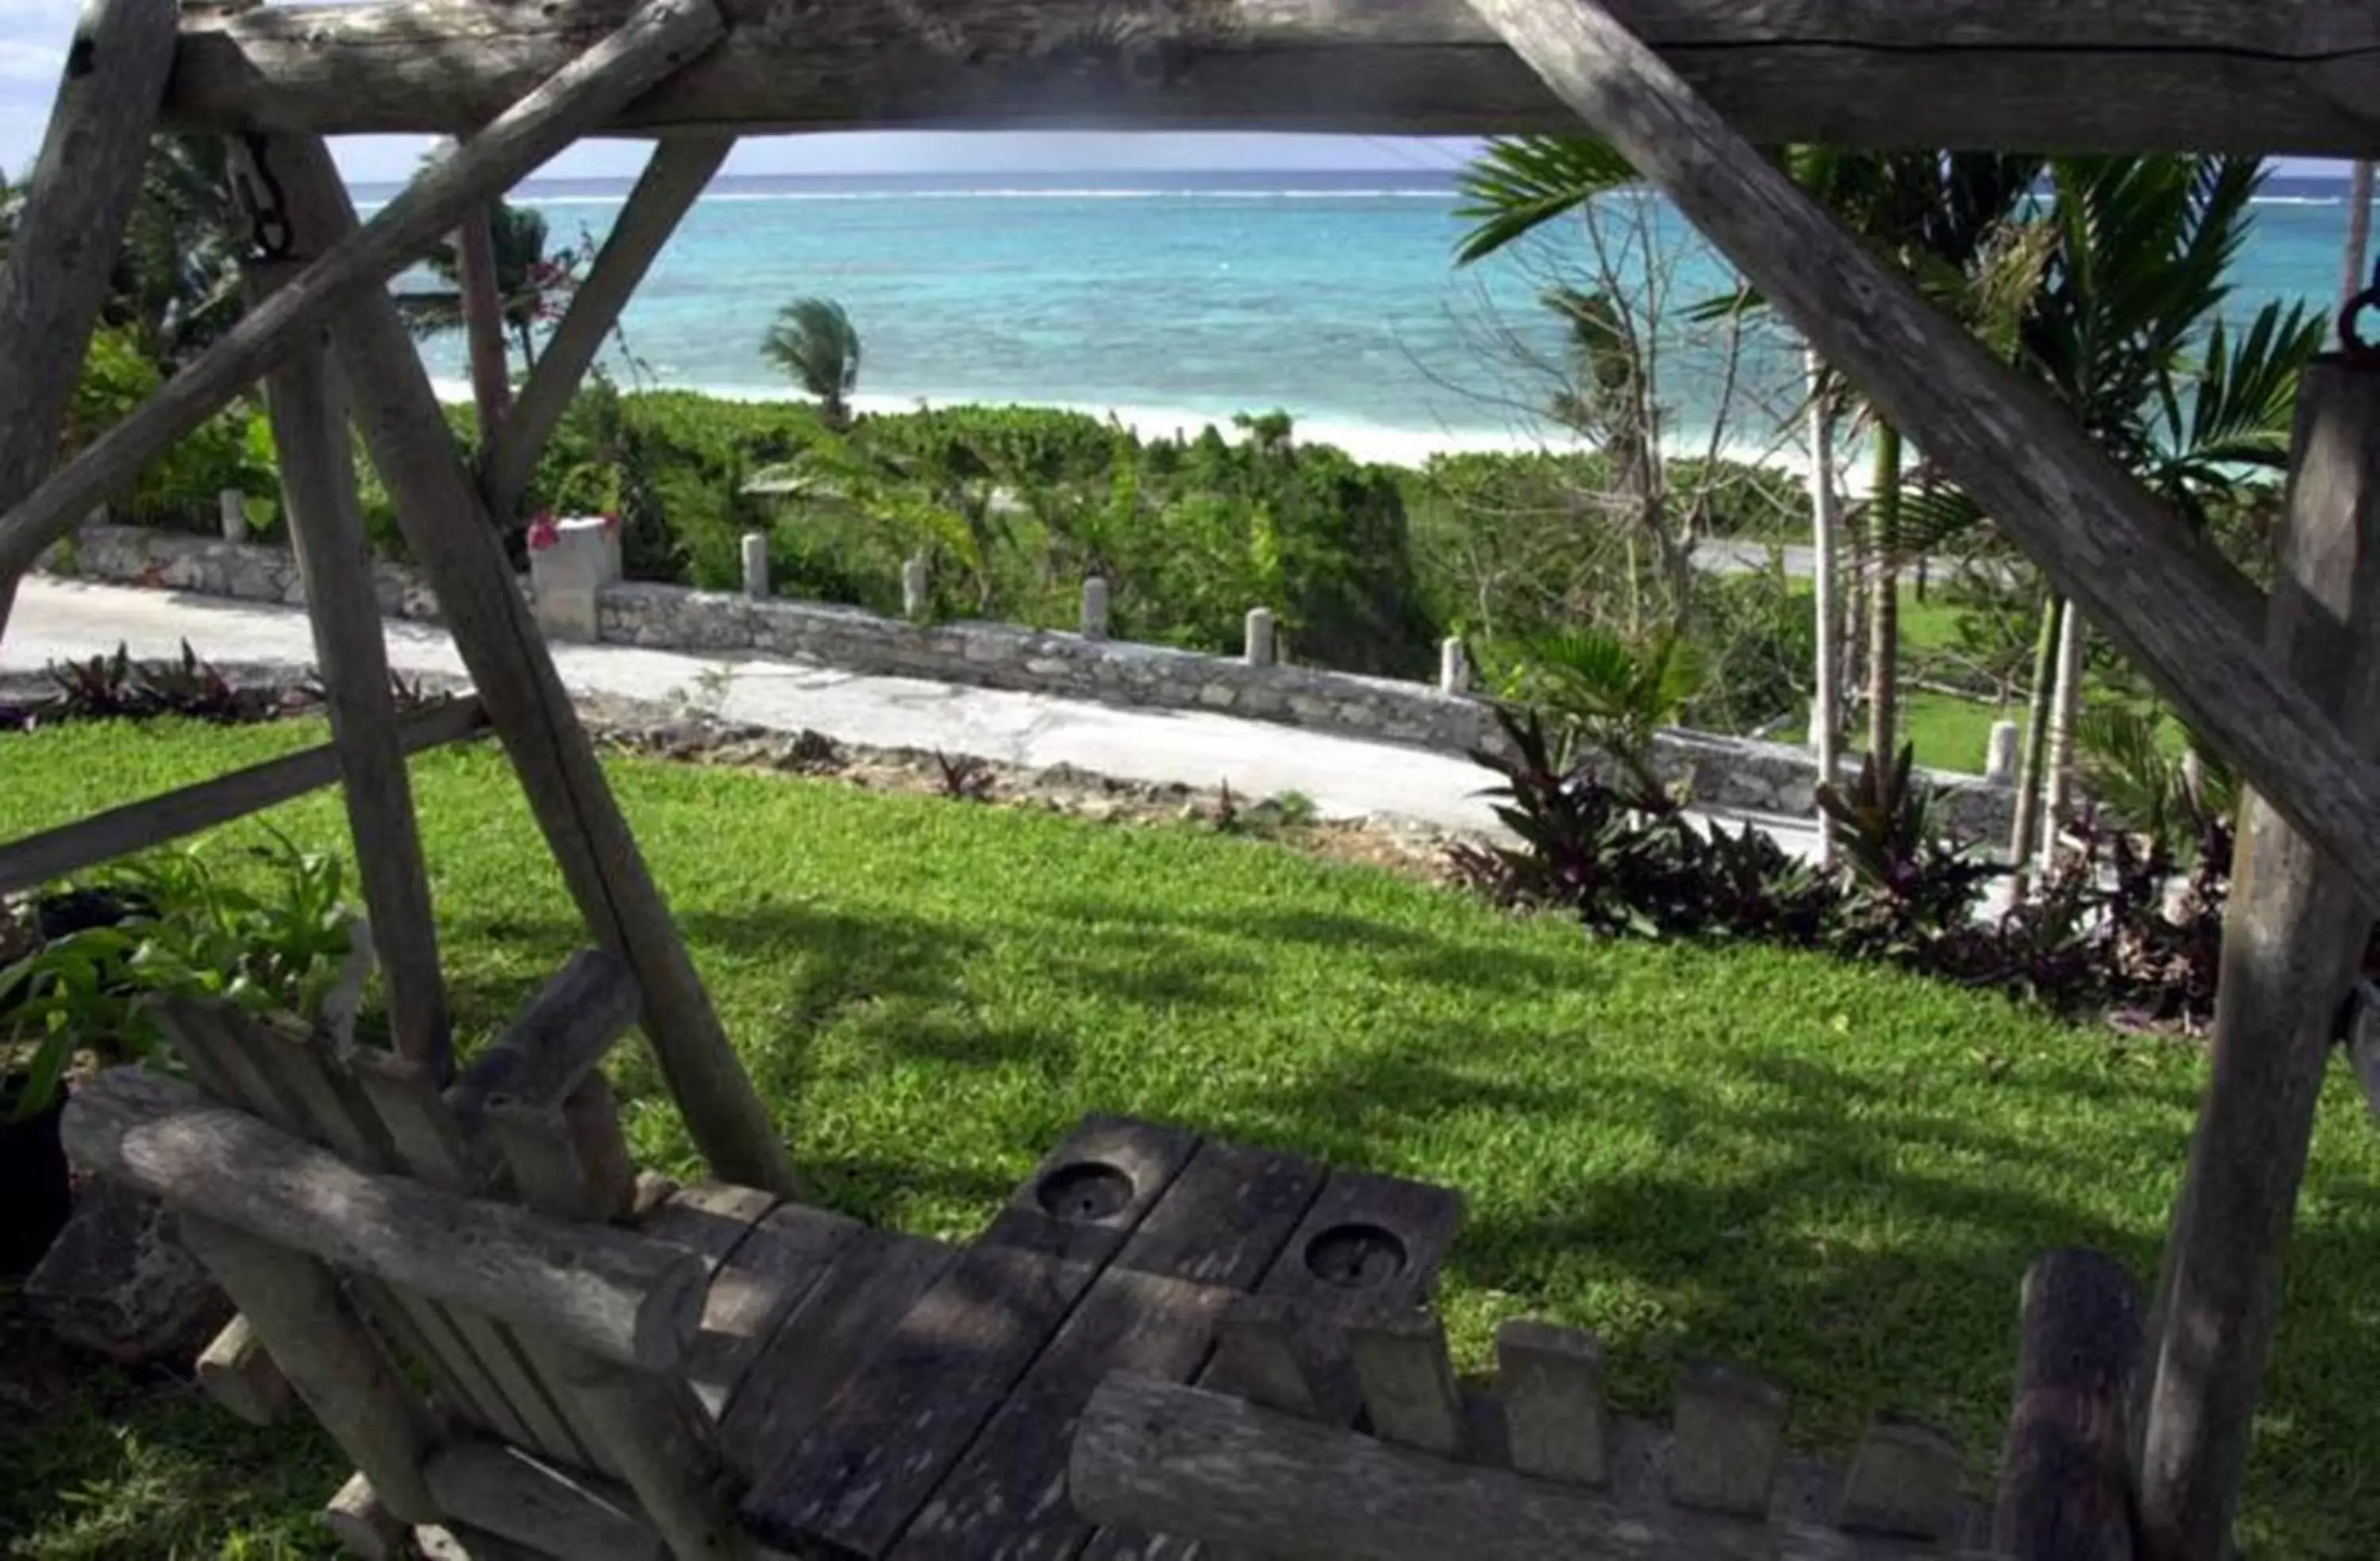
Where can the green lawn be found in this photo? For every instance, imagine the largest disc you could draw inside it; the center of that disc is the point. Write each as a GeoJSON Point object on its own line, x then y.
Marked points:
{"type": "Point", "coordinates": [1834, 1176]}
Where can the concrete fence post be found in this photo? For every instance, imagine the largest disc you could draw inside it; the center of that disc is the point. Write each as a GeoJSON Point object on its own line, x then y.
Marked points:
{"type": "Point", "coordinates": [568, 573]}
{"type": "Point", "coordinates": [231, 508]}
{"type": "Point", "coordinates": [1262, 640]}
{"type": "Point", "coordinates": [916, 582]}
{"type": "Point", "coordinates": [1095, 608]}
{"type": "Point", "coordinates": [1454, 667]}
{"type": "Point", "coordinates": [755, 563]}
{"type": "Point", "coordinates": [1999, 758]}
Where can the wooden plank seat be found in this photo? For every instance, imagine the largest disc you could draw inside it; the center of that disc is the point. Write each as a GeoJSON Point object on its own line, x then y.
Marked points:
{"type": "Point", "coordinates": [938, 1423]}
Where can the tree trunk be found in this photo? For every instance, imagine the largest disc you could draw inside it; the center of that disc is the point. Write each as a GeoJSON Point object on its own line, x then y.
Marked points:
{"type": "Point", "coordinates": [484, 320]}
{"type": "Point", "coordinates": [2057, 779]}
{"type": "Point", "coordinates": [1884, 599]}
{"type": "Point", "coordinates": [2358, 230]}
{"type": "Point", "coordinates": [2036, 734]}
{"type": "Point", "coordinates": [1826, 706]}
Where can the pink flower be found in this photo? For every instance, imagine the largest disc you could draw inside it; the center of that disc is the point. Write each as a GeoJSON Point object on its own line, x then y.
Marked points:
{"type": "Point", "coordinates": [543, 533]}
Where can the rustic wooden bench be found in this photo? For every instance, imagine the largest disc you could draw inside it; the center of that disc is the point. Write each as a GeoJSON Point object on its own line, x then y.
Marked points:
{"type": "Point", "coordinates": [526, 1350]}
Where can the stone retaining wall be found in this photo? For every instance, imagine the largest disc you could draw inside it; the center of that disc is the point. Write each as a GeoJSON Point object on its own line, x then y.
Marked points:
{"type": "Point", "coordinates": [1731, 773]}
{"type": "Point", "coordinates": [177, 560]}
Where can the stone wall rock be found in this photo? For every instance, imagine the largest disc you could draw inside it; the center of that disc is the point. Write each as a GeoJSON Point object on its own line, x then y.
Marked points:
{"type": "Point", "coordinates": [1735, 774]}
{"type": "Point", "coordinates": [176, 561]}
{"type": "Point", "coordinates": [119, 1281]}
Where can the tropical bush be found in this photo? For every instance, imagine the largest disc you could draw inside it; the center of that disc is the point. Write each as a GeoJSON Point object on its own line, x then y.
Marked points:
{"type": "Point", "coordinates": [2127, 921]}
{"type": "Point", "coordinates": [172, 924]}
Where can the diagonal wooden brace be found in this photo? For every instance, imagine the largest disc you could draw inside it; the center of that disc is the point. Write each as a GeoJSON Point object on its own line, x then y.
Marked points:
{"type": "Point", "coordinates": [678, 173]}
{"type": "Point", "coordinates": [661, 36]}
{"type": "Point", "coordinates": [2103, 540]}
{"type": "Point", "coordinates": [83, 187]}
{"type": "Point", "coordinates": [447, 526]}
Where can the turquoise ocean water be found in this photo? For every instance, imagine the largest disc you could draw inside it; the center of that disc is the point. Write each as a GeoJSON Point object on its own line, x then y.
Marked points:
{"type": "Point", "coordinates": [1174, 299]}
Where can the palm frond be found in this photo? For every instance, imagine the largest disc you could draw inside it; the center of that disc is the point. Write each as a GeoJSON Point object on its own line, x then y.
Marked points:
{"type": "Point", "coordinates": [1520, 183]}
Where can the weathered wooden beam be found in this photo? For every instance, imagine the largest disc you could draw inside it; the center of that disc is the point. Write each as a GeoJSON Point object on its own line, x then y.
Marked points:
{"type": "Point", "coordinates": [446, 523]}
{"type": "Point", "coordinates": [329, 1357]}
{"type": "Point", "coordinates": [675, 174]}
{"type": "Point", "coordinates": [1202, 1466]}
{"type": "Point", "coordinates": [36, 859]}
{"type": "Point", "coordinates": [326, 529]}
{"type": "Point", "coordinates": [2294, 934]}
{"type": "Point", "coordinates": [2074, 74]}
{"type": "Point", "coordinates": [237, 1373]}
{"type": "Point", "coordinates": [2144, 579]}
{"type": "Point", "coordinates": [364, 1526]}
{"type": "Point", "coordinates": [556, 1042]}
{"type": "Point", "coordinates": [483, 318]}
{"type": "Point", "coordinates": [651, 43]}
{"type": "Point", "coordinates": [2066, 1468]}
{"type": "Point", "coordinates": [610, 1293]}
{"type": "Point", "coordinates": [62, 256]}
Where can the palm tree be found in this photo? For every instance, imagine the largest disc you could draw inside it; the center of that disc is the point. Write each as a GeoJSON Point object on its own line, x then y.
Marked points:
{"type": "Point", "coordinates": [817, 347]}
{"type": "Point", "coordinates": [2127, 331]}
{"type": "Point", "coordinates": [1952, 221]}
{"type": "Point", "coordinates": [1947, 219]}
{"type": "Point", "coordinates": [532, 282]}
{"type": "Point", "coordinates": [177, 276]}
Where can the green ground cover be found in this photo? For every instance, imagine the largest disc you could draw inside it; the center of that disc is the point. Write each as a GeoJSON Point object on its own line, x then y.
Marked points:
{"type": "Point", "coordinates": [1832, 1175]}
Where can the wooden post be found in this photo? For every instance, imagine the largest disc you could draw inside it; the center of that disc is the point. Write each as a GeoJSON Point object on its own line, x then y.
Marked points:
{"type": "Point", "coordinates": [1730, 1442]}
{"type": "Point", "coordinates": [329, 1356]}
{"type": "Point", "coordinates": [659, 38]}
{"type": "Point", "coordinates": [2149, 583]}
{"type": "Point", "coordinates": [447, 525]}
{"type": "Point", "coordinates": [1408, 1381]}
{"type": "Point", "coordinates": [85, 183]}
{"type": "Point", "coordinates": [1825, 698]}
{"type": "Point", "coordinates": [2065, 1472]}
{"type": "Point", "coordinates": [364, 1526]}
{"type": "Point", "coordinates": [2358, 230]}
{"type": "Point", "coordinates": [1552, 1384]}
{"type": "Point", "coordinates": [484, 320]}
{"type": "Point", "coordinates": [239, 1374]}
{"type": "Point", "coordinates": [2058, 769]}
{"type": "Point", "coordinates": [678, 171]}
{"type": "Point", "coordinates": [326, 529]}
{"type": "Point", "coordinates": [2293, 940]}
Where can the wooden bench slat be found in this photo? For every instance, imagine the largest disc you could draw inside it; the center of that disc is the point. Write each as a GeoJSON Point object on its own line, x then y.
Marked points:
{"type": "Point", "coordinates": [1089, 1196]}
{"type": "Point", "coordinates": [1006, 1500]}
{"type": "Point", "coordinates": [763, 1264]}
{"type": "Point", "coordinates": [822, 1340]}
{"type": "Point", "coordinates": [857, 1476]}
{"type": "Point", "coordinates": [1215, 1231]}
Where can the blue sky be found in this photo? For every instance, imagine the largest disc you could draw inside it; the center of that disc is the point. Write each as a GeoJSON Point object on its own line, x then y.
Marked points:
{"type": "Point", "coordinates": [33, 34]}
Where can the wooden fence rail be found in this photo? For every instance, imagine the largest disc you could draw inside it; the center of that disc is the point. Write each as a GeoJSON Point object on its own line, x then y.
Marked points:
{"type": "Point", "coordinates": [36, 859]}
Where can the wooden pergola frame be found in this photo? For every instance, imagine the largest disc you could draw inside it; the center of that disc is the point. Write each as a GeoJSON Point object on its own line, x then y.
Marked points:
{"type": "Point", "coordinates": [1684, 87]}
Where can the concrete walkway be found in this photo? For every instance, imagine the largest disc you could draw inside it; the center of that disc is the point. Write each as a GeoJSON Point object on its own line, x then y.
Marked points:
{"type": "Point", "coordinates": [55, 619]}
